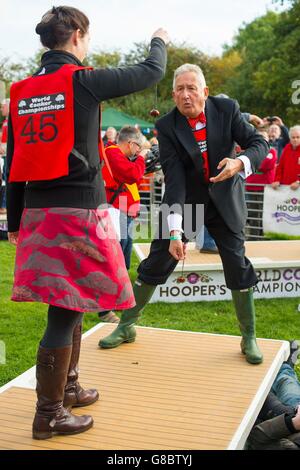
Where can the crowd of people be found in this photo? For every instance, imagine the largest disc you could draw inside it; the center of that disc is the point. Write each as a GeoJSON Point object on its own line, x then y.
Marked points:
{"type": "Point", "coordinates": [282, 163]}
{"type": "Point", "coordinates": [57, 211]}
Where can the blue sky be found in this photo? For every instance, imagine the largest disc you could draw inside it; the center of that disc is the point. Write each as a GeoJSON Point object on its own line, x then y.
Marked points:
{"type": "Point", "coordinates": [118, 24]}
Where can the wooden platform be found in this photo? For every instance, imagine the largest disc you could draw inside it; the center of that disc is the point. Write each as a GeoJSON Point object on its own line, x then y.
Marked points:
{"type": "Point", "coordinates": [271, 253]}
{"type": "Point", "coordinates": [168, 390]}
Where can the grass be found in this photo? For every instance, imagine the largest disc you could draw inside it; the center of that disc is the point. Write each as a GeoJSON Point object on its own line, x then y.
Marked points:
{"type": "Point", "coordinates": [22, 324]}
{"type": "Point", "coordinates": [280, 236]}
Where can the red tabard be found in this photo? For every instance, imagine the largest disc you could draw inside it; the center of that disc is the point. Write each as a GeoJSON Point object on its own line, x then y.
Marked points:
{"type": "Point", "coordinates": [43, 125]}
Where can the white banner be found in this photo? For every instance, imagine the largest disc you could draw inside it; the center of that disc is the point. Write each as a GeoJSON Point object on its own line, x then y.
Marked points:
{"type": "Point", "coordinates": [281, 213]}
{"type": "Point", "coordinates": [210, 285]}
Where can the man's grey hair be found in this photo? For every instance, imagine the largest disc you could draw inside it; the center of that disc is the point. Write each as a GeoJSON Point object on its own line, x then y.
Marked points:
{"type": "Point", "coordinates": [190, 68]}
{"type": "Point", "coordinates": [128, 133]}
{"type": "Point", "coordinates": [294, 128]}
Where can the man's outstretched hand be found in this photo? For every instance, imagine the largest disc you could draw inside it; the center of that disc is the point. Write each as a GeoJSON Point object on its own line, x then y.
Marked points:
{"type": "Point", "coordinates": [230, 166]}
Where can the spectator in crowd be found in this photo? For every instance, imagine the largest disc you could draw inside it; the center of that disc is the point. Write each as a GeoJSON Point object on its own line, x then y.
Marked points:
{"type": "Point", "coordinates": [205, 242]}
{"type": "Point", "coordinates": [3, 146]}
{"type": "Point", "coordinates": [288, 169]}
{"type": "Point", "coordinates": [62, 230]}
{"type": "Point", "coordinates": [126, 168]}
{"type": "Point", "coordinates": [278, 134]}
{"type": "Point", "coordinates": [266, 171]}
{"type": "Point", "coordinates": [256, 181]}
{"type": "Point", "coordinates": [110, 136]}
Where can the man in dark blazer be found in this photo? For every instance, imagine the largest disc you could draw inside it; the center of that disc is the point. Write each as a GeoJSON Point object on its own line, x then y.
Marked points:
{"type": "Point", "coordinates": [195, 140]}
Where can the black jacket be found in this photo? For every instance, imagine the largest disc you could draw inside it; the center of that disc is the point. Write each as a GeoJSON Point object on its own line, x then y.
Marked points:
{"type": "Point", "coordinates": [182, 163]}
{"type": "Point", "coordinates": [83, 187]}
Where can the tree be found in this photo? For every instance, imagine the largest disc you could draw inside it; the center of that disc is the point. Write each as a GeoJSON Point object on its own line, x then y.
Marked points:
{"type": "Point", "coordinates": [222, 71]}
{"type": "Point", "coordinates": [263, 82]}
{"type": "Point", "coordinates": [140, 104]}
{"type": "Point", "coordinates": [255, 44]}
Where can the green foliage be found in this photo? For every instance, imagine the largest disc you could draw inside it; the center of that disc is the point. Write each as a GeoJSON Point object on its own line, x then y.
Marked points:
{"type": "Point", "coordinates": [34, 62]}
{"type": "Point", "coordinates": [222, 71]}
{"type": "Point", "coordinates": [269, 47]}
{"type": "Point", "coordinates": [101, 58]}
{"type": "Point", "coordinates": [11, 72]}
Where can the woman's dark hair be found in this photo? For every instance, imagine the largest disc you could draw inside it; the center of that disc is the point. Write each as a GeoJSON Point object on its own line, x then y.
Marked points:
{"type": "Point", "coordinates": [58, 24]}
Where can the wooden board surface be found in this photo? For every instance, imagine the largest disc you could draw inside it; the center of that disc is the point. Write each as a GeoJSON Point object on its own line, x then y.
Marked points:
{"type": "Point", "coordinates": [268, 251]}
{"type": "Point", "coordinates": [168, 390]}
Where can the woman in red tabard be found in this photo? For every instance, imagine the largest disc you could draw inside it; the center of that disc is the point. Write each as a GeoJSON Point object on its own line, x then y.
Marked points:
{"type": "Point", "coordinates": [65, 257]}
{"type": "Point", "coordinates": [288, 169]}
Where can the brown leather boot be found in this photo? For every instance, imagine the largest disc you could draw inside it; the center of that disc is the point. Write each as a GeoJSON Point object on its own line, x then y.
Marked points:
{"type": "Point", "coordinates": [75, 395]}
{"type": "Point", "coordinates": [51, 375]}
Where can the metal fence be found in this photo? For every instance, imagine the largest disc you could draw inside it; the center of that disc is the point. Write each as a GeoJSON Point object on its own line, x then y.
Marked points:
{"type": "Point", "coordinates": [151, 195]}
{"type": "Point", "coordinates": [255, 204]}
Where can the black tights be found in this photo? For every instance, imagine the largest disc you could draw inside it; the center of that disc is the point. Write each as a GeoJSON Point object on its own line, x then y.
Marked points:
{"type": "Point", "coordinates": [60, 327]}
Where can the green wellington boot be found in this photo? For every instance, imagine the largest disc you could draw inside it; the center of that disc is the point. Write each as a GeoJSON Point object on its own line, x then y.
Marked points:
{"type": "Point", "coordinates": [125, 331]}
{"type": "Point", "coordinates": [245, 312]}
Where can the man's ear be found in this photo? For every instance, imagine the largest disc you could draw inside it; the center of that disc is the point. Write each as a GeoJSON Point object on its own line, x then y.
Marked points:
{"type": "Point", "coordinates": [173, 95]}
{"type": "Point", "coordinates": [206, 92]}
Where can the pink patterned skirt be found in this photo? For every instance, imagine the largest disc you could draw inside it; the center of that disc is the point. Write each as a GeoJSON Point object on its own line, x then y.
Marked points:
{"type": "Point", "coordinates": [71, 258]}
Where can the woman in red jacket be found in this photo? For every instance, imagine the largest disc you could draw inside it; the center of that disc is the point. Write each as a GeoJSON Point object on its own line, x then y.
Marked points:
{"type": "Point", "coordinates": [288, 170]}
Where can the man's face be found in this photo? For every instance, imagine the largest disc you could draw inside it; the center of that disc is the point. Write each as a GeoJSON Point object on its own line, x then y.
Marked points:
{"type": "Point", "coordinates": [274, 132]}
{"type": "Point", "coordinates": [189, 95]}
{"type": "Point", "coordinates": [295, 138]}
{"type": "Point", "coordinates": [111, 134]}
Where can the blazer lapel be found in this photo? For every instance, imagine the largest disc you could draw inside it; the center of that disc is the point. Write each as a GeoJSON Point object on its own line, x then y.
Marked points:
{"type": "Point", "coordinates": [214, 132]}
{"type": "Point", "coordinates": [185, 135]}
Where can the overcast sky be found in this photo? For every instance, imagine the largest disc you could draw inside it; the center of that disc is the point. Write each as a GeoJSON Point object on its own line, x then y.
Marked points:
{"type": "Point", "coordinates": [118, 24]}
